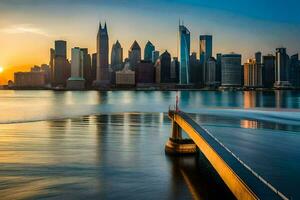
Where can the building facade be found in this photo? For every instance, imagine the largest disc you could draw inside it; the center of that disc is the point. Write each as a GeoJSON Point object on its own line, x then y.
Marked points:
{"type": "Point", "coordinates": [155, 56]}
{"type": "Point", "coordinates": [231, 70]}
{"type": "Point", "coordinates": [252, 74]}
{"type": "Point", "coordinates": [281, 68]}
{"type": "Point", "coordinates": [125, 77]}
{"type": "Point", "coordinates": [211, 73]}
{"type": "Point", "coordinates": [134, 55]}
{"type": "Point", "coordinates": [116, 57]}
{"type": "Point", "coordinates": [102, 57]}
{"type": "Point", "coordinates": [76, 81]}
{"type": "Point", "coordinates": [144, 73]}
{"type": "Point", "coordinates": [184, 55]}
{"type": "Point", "coordinates": [149, 48]}
{"type": "Point", "coordinates": [62, 67]}
{"type": "Point", "coordinates": [29, 79]}
{"type": "Point", "coordinates": [268, 72]}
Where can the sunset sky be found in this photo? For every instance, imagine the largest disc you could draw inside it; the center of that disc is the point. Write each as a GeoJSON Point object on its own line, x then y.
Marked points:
{"type": "Point", "coordinates": [28, 28]}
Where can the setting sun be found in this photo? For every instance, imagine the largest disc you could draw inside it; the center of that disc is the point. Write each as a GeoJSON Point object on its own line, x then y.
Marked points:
{"type": "Point", "coordinates": [1, 69]}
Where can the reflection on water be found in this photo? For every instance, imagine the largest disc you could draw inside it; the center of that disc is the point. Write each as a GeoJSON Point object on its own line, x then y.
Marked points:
{"type": "Point", "coordinates": [106, 156]}
{"type": "Point", "coordinates": [25, 106]}
{"type": "Point", "coordinates": [111, 144]}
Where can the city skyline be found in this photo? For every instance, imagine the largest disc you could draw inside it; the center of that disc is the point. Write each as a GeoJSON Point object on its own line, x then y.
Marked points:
{"type": "Point", "coordinates": [25, 39]}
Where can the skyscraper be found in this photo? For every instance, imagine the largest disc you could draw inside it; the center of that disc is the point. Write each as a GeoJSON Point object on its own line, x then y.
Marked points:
{"type": "Point", "coordinates": [195, 69]}
{"type": "Point", "coordinates": [252, 74]}
{"type": "Point", "coordinates": [205, 48]}
{"type": "Point", "coordinates": [87, 67]}
{"type": "Point", "coordinates": [184, 54]}
{"type": "Point", "coordinates": [268, 73]}
{"type": "Point", "coordinates": [163, 68]}
{"type": "Point", "coordinates": [51, 64]}
{"type": "Point", "coordinates": [61, 64]}
{"type": "Point", "coordinates": [231, 70]}
{"type": "Point", "coordinates": [94, 67]}
{"type": "Point", "coordinates": [281, 68]}
{"type": "Point", "coordinates": [205, 53]}
{"type": "Point", "coordinates": [175, 70]}
{"type": "Point", "coordinates": [295, 70]}
{"type": "Point", "coordinates": [258, 57]}
{"type": "Point", "coordinates": [76, 81]}
{"type": "Point", "coordinates": [149, 48]}
{"type": "Point", "coordinates": [134, 55]}
{"type": "Point", "coordinates": [211, 72]}
{"type": "Point", "coordinates": [155, 56]}
{"type": "Point", "coordinates": [116, 56]}
{"type": "Point", "coordinates": [144, 73]}
{"type": "Point", "coordinates": [218, 68]}
{"type": "Point", "coordinates": [102, 57]}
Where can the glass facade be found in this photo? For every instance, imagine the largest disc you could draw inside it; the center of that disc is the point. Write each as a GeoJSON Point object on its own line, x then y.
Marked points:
{"type": "Point", "coordinates": [184, 54]}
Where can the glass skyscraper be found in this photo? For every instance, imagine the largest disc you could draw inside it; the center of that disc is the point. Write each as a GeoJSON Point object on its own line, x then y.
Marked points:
{"type": "Point", "coordinates": [184, 54]}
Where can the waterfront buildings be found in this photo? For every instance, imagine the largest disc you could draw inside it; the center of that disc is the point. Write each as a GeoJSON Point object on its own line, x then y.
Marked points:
{"type": "Point", "coordinates": [94, 67]}
{"type": "Point", "coordinates": [29, 79]}
{"type": "Point", "coordinates": [144, 73]}
{"type": "Point", "coordinates": [258, 57]}
{"type": "Point", "coordinates": [134, 55]}
{"type": "Point", "coordinates": [184, 55]}
{"type": "Point", "coordinates": [205, 54]}
{"type": "Point", "coordinates": [231, 70]}
{"type": "Point", "coordinates": [211, 73]}
{"type": "Point", "coordinates": [196, 76]}
{"type": "Point", "coordinates": [294, 76]}
{"type": "Point", "coordinates": [149, 48]}
{"type": "Point", "coordinates": [76, 81]}
{"type": "Point", "coordinates": [174, 72]}
{"type": "Point", "coordinates": [102, 79]}
{"type": "Point", "coordinates": [218, 68]}
{"type": "Point", "coordinates": [252, 74]}
{"type": "Point", "coordinates": [87, 67]}
{"type": "Point", "coordinates": [116, 57]}
{"type": "Point", "coordinates": [125, 77]}
{"type": "Point", "coordinates": [155, 56]}
{"type": "Point", "coordinates": [61, 64]}
{"type": "Point", "coordinates": [268, 72]}
{"type": "Point", "coordinates": [163, 68]}
{"type": "Point", "coordinates": [281, 68]}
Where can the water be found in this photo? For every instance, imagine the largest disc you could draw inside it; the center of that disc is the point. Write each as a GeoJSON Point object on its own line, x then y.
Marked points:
{"type": "Point", "coordinates": [79, 145]}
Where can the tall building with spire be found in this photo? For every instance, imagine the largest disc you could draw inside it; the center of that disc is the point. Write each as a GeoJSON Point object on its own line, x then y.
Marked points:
{"type": "Point", "coordinates": [149, 48]}
{"type": "Point", "coordinates": [102, 78]}
{"type": "Point", "coordinates": [116, 57]}
{"type": "Point", "coordinates": [184, 54]}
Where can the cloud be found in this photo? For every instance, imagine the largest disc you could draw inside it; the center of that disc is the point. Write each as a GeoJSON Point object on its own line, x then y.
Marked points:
{"type": "Point", "coordinates": [24, 28]}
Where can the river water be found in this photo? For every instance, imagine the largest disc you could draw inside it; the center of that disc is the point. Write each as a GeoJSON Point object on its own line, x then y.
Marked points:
{"type": "Point", "coordinates": [96, 145]}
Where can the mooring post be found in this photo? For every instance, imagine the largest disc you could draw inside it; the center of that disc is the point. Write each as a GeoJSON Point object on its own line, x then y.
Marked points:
{"type": "Point", "coordinates": [176, 130]}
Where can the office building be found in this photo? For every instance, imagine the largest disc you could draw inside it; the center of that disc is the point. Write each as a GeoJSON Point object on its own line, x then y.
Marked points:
{"type": "Point", "coordinates": [149, 48]}
{"type": "Point", "coordinates": [211, 73]}
{"type": "Point", "coordinates": [295, 70]}
{"type": "Point", "coordinates": [61, 64]}
{"type": "Point", "coordinates": [231, 70]}
{"type": "Point", "coordinates": [116, 57]}
{"type": "Point", "coordinates": [281, 68]}
{"type": "Point", "coordinates": [134, 55]}
{"type": "Point", "coordinates": [102, 79]}
{"type": "Point", "coordinates": [175, 70]}
{"type": "Point", "coordinates": [144, 73]}
{"type": "Point", "coordinates": [76, 81]}
{"type": "Point", "coordinates": [125, 77]}
{"type": "Point", "coordinates": [35, 79]}
{"type": "Point", "coordinates": [252, 74]}
{"type": "Point", "coordinates": [184, 55]}
{"type": "Point", "coordinates": [268, 72]}
{"type": "Point", "coordinates": [163, 68]}
{"type": "Point", "coordinates": [196, 76]}
{"type": "Point", "coordinates": [155, 56]}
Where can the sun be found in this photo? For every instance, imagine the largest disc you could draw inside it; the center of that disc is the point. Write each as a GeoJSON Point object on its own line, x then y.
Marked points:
{"type": "Point", "coordinates": [1, 69]}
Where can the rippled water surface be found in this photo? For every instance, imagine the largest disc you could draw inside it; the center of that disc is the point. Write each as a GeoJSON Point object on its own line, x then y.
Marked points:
{"type": "Point", "coordinates": [79, 145]}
